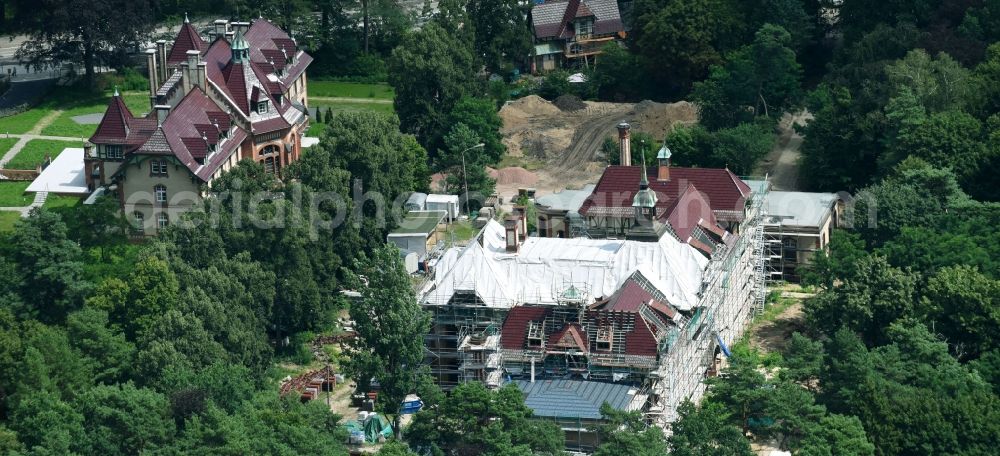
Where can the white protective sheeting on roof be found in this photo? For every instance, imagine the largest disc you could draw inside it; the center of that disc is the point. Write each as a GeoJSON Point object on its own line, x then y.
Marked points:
{"type": "Point", "coordinates": [65, 175]}
{"type": "Point", "coordinates": [545, 266]}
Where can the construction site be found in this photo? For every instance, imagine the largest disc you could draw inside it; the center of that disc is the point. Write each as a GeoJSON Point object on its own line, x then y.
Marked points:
{"type": "Point", "coordinates": [636, 317]}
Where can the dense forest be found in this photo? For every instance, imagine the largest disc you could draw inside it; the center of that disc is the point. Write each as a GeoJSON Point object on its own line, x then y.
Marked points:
{"type": "Point", "coordinates": [174, 346]}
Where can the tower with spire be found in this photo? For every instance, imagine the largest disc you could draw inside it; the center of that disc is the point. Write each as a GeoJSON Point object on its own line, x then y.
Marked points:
{"type": "Point", "coordinates": [240, 48]}
{"type": "Point", "coordinates": [645, 227]}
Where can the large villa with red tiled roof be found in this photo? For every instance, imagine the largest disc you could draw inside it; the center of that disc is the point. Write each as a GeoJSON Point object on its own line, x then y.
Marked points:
{"type": "Point", "coordinates": [634, 305]}
{"type": "Point", "coordinates": [241, 95]}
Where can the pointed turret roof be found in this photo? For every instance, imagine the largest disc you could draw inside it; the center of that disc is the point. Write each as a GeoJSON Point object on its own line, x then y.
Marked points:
{"type": "Point", "coordinates": [114, 126]}
{"type": "Point", "coordinates": [187, 40]}
{"type": "Point", "coordinates": [645, 197]}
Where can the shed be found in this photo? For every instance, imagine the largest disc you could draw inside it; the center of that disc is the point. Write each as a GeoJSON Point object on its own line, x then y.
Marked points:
{"type": "Point", "coordinates": [419, 232]}
{"type": "Point", "coordinates": [447, 203]}
{"type": "Point", "coordinates": [416, 202]}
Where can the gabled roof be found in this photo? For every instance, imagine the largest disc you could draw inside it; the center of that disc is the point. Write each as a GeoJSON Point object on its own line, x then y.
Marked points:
{"type": "Point", "coordinates": [187, 39]}
{"type": "Point", "coordinates": [570, 337]}
{"type": "Point", "coordinates": [688, 211]}
{"type": "Point", "coordinates": [725, 193]}
{"type": "Point", "coordinates": [190, 129]}
{"type": "Point", "coordinates": [552, 19]}
{"type": "Point", "coordinates": [272, 46]}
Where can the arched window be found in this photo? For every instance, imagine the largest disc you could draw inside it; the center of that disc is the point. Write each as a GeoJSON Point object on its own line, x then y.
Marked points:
{"type": "Point", "coordinates": [160, 192]}
{"type": "Point", "coordinates": [269, 165]}
{"type": "Point", "coordinates": [269, 150]}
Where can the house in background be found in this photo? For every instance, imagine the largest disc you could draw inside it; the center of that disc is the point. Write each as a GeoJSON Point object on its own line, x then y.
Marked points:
{"type": "Point", "coordinates": [559, 213]}
{"type": "Point", "coordinates": [799, 225]}
{"type": "Point", "coordinates": [241, 95]}
{"type": "Point", "coordinates": [419, 232]}
{"type": "Point", "coordinates": [572, 33]}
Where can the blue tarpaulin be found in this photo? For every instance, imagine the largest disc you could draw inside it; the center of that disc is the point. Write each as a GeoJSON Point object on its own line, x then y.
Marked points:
{"type": "Point", "coordinates": [723, 346]}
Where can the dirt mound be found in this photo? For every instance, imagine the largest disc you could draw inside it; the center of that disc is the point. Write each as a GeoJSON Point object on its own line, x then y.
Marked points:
{"type": "Point", "coordinates": [514, 175]}
{"type": "Point", "coordinates": [658, 119]}
{"type": "Point", "coordinates": [569, 103]}
{"type": "Point", "coordinates": [516, 114]}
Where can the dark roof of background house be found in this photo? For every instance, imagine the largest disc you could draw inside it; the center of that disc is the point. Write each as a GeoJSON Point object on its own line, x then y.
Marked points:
{"type": "Point", "coordinates": [551, 19]}
{"type": "Point", "coordinates": [574, 398]}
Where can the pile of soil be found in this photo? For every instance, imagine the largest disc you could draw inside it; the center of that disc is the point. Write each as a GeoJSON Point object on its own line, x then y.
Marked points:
{"type": "Point", "coordinates": [514, 175]}
{"type": "Point", "coordinates": [658, 119]}
{"type": "Point", "coordinates": [569, 103]}
{"type": "Point", "coordinates": [519, 113]}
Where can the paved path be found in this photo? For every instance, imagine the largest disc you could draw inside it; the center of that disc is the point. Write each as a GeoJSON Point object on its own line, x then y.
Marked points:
{"type": "Point", "coordinates": [40, 198]}
{"type": "Point", "coordinates": [23, 139]}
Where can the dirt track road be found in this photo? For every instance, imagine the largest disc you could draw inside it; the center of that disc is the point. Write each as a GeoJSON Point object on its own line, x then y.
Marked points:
{"type": "Point", "coordinates": [782, 164]}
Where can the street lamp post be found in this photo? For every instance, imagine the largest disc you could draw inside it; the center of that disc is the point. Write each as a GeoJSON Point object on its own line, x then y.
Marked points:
{"type": "Point", "coordinates": [465, 178]}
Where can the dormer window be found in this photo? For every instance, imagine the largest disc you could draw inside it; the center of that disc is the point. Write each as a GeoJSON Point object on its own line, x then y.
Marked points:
{"type": "Point", "coordinates": [584, 28]}
{"type": "Point", "coordinates": [605, 335]}
{"type": "Point", "coordinates": [536, 333]}
{"type": "Point", "coordinates": [261, 107]}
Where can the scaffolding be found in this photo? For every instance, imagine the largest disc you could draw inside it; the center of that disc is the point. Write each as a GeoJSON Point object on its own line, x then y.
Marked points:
{"type": "Point", "coordinates": [734, 287]}
{"type": "Point", "coordinates": [462, 342]}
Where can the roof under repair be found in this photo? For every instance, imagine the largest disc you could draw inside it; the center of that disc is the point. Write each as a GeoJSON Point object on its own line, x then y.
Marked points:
{"type": "Point", "coordinates": [544, 268]}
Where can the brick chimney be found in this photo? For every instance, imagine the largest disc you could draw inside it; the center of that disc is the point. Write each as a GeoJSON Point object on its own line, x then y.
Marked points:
{"type": "Point", "coordinates": [512, 225]}
{"type": "Point", "coordinates": [220, 27]}
{"type": "Point", "coordinates": [161, 113]}
{"type": "Point", "coordinates": [161, 52]}
{"type": "Point", "coordinates": [625, 144]}
{"type": "Point", "coordinates": [154, 74]}
{"type": "Point", "coordinates": [194, 70]}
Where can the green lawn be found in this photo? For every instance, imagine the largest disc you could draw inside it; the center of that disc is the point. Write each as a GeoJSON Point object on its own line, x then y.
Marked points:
{"type": "Point", "coordinates": [350, 90]}
{"type": "Point", "coordinates": [12, 194]}
{"type": "Point", "coordinates": [137, 102]}
{"type": "Point", "coordinates": [58, 201]}
{"type": "Point", "coordinates": [6, 144]}
{"type": "Point", "coordinates": [7, 220]}
{"type": "Point", "coordinates": [77, 101]}
{"type": "Point", "coordinates": [337, 108]}
{"type": "Point", "coordinates": [35, 150]}
{"type": "Point", "coordinates": [23, 122]}
{"type": "Point", "coordinates": [64, 125]}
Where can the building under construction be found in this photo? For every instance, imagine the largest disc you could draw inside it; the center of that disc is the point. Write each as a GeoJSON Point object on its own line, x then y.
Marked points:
{"type": "Point", "coordinates": [636, 316]}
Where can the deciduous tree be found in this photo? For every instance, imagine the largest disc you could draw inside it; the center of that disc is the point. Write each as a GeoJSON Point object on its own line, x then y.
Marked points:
{"type": "Point", "coordinates": [390, 326]}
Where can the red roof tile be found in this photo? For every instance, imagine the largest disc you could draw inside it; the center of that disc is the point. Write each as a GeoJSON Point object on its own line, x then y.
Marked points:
{"type": "Point", "coordinates": [236, 85]}
{"type": "Point", "coordinates": [515, 327]}
{"type": "Point", "coordinates": [571, 337]}
{"type": "Point", "coordinates": [640, 341]}
{"type": "Point", "coordinates": [628, 298]}
{"type": "Point", "coordinates": [617, 187]}
{"type": "Point", "coordinates": [687, 211]}
{"type": "Point", "coordinates": [114, 126]}
{"type": "Point", "coordinates": [187, 40]}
